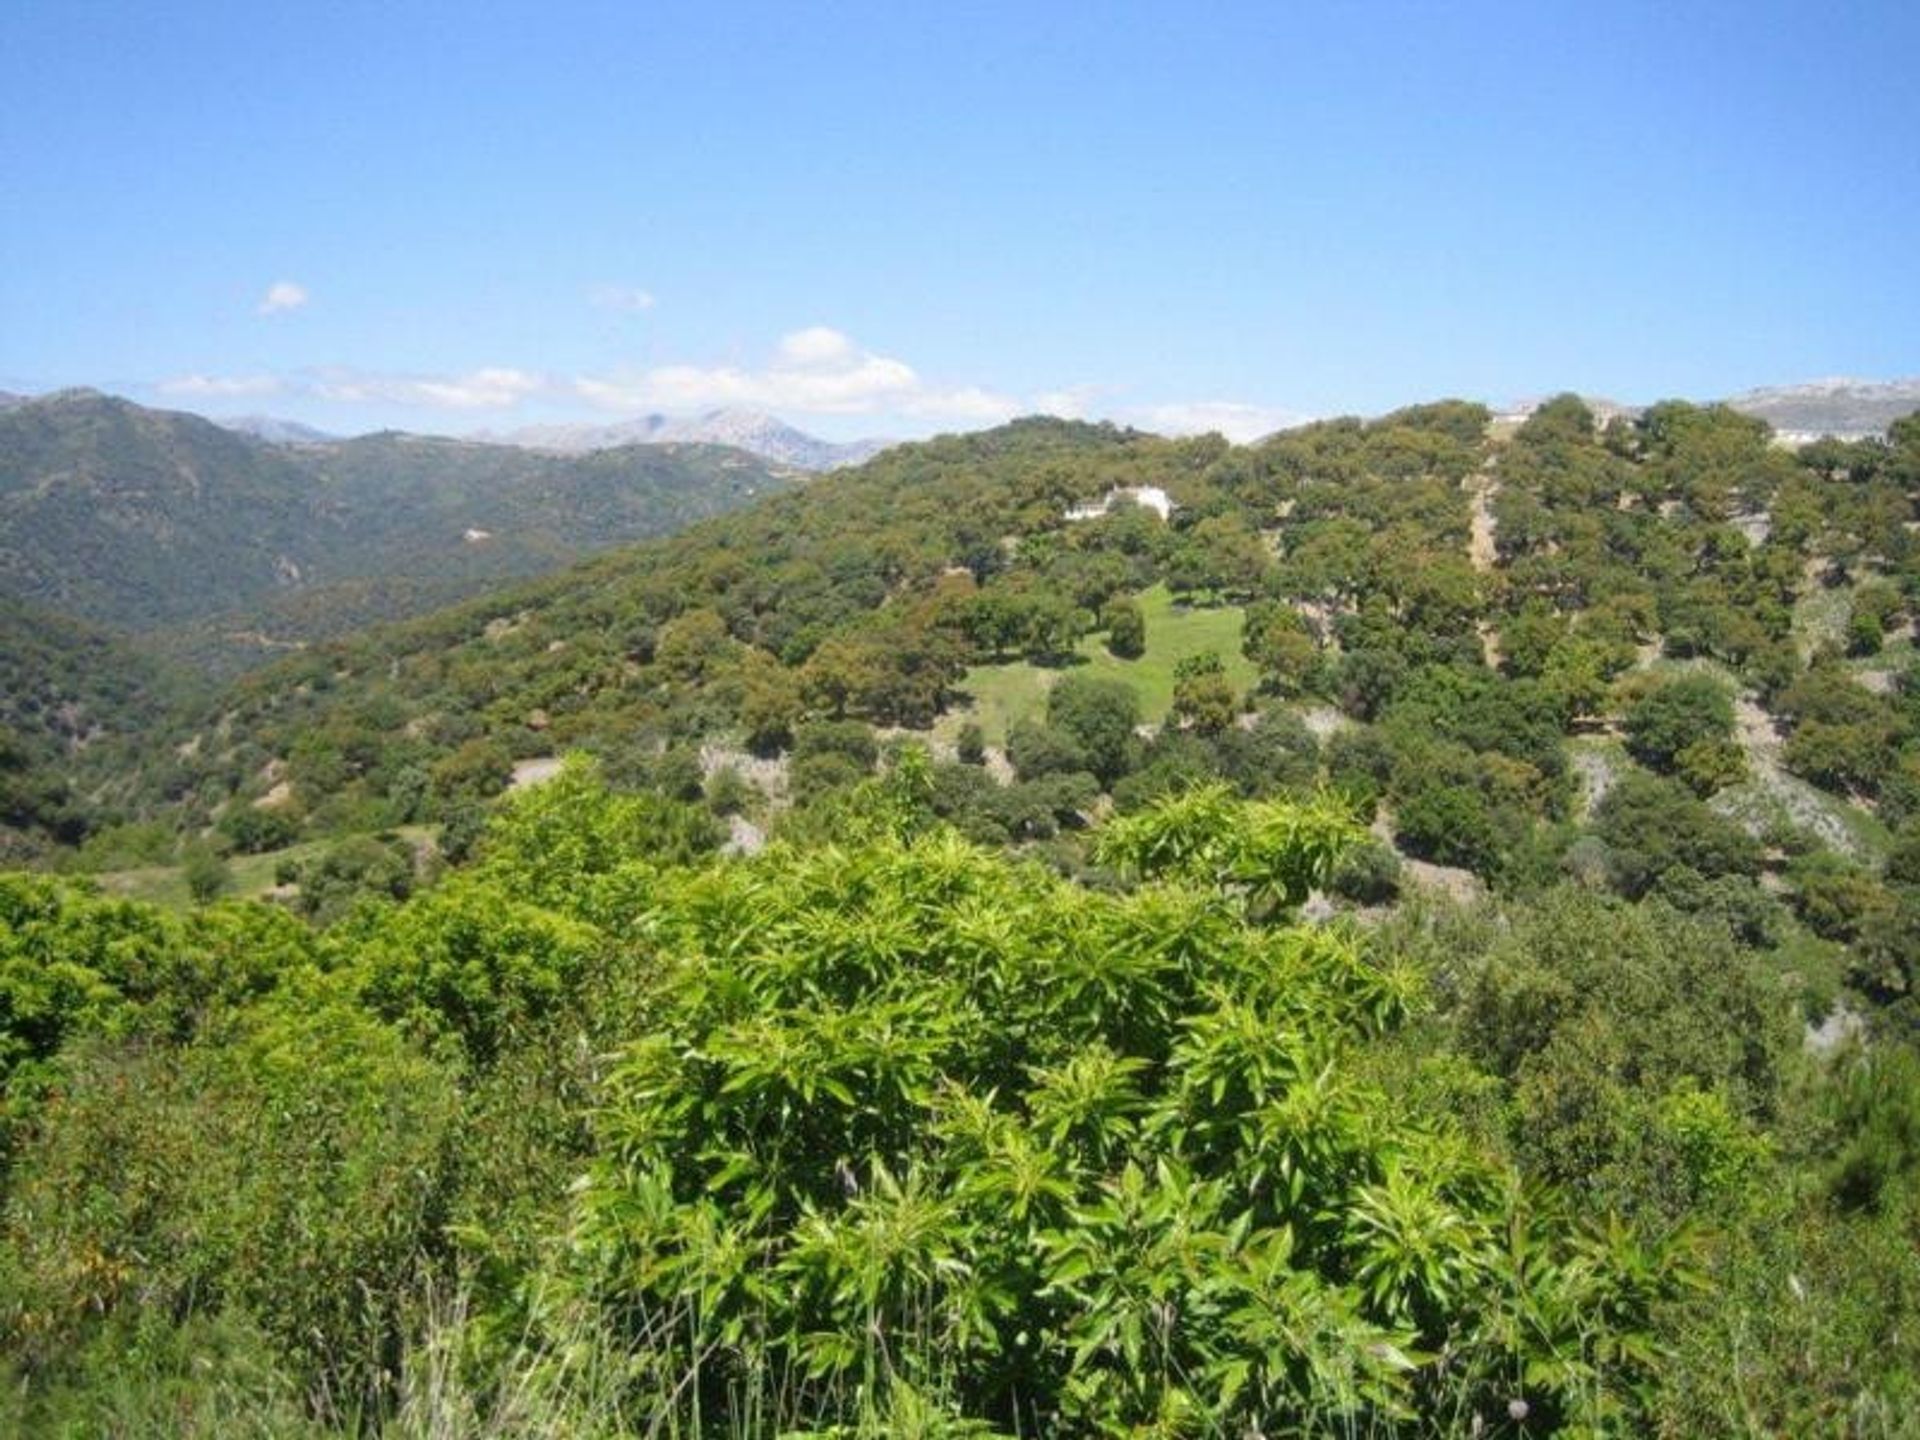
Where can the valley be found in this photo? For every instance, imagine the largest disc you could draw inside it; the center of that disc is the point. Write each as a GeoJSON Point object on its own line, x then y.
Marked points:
{"type": "Point", "coordinates": [162, 522]}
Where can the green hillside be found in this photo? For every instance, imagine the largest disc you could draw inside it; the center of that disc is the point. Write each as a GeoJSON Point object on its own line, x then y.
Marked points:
{"type": "Point", "coordinates": [135, 518]}
{"type": "Point", "coordinates": [143, 519]}
{"type": "Point", "coordinates": [72, 701]}
{"type": "Point", "coordinates": [1456, 960]}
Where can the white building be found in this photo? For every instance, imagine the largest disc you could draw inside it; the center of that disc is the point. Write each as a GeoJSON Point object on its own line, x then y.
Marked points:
{"type": "Point", "coordinates": [1147, 497]}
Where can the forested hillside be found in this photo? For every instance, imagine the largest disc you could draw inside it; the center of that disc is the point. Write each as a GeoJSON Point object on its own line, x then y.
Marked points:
{"type": "Point", "coordinates": [144, 519]}
{"type": "Point", "coordinates": [1659, 656]}
{"type": "Point", "coordinates": [66, 689]}
{"type": "Point", "coordinates": [1408, 928]}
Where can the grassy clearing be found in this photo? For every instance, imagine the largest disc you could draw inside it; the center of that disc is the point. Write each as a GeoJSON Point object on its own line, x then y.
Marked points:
{"type": "Point", "coordinates": [1002, 694]}
{"type": "Point", "coordinates": [1598, 763]}
{"type": "Point", "coordinates": [251, 876]}
{"type": "Point", "coordinates": [1820, 616]}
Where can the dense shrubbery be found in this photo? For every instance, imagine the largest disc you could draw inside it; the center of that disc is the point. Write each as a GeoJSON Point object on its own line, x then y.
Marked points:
{"type": "Point", "coordinates": [899, 1134]}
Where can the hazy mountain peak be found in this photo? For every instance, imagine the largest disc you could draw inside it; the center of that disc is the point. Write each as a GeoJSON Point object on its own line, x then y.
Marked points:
{"type": "Point", "coordinates": [767, 436]}
{"type": "Point", "coordinates": [1840, 406]}
{"type": "Point", "coordinates": [276, 431]}
{"type": "Point", "coordinates": [73, 395]}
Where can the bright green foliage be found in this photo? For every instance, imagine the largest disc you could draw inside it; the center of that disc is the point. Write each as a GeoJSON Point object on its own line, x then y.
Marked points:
{"type": "Point", "coordinates": [470, 961]}
{"type": "Point", "coordinates": [892, 1134]}
{"type": "Point", "coordinates": [555, 838]}
{"type": "Point", "coordinates": [1278, 850]}
{"type": "Point", "coordinates": [59, 950]}
{"type": "Point", "coordinates": [294, 1173]}
{"type": "Point", "coordinates": [909, 1115]}
{"type": "Point", "coordinates": [73, 963]}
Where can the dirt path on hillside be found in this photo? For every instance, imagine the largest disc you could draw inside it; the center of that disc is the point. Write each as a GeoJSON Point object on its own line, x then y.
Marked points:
{"type": "Point", "coordinates": [1483, 551]}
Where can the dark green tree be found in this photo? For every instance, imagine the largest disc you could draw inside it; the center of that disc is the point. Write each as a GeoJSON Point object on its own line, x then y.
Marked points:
{"type": "Point", "coordinates": [1126, 628]}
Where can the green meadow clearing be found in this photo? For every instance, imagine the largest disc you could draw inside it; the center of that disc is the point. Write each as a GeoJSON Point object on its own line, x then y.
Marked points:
{"type": "Point", "coordinates": [1002, 694]}
{"type": "Point", "coordinates": [249, 877]}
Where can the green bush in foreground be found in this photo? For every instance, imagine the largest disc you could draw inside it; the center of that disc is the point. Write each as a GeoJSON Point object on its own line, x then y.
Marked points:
{"type": "Point", "coordinates": [894, 1135]}
{"type": "Point", "coordinates": [916, 1120]}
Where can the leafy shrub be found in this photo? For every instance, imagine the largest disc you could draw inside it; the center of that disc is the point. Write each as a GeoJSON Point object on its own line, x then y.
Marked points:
{"type": "Point", "coordinates": [971, 744]}
{"type": "Point", "coordinates": [1203, 697]}
{"type": "Point", "coordinates": [1126, 628]}
{"type": "Point", "coordinates": [884, 1138]}
{"type": "Point", "coordinates": [253, 828]}
{"type": "Point", "coordinates": [1369, 874]}
{"type": "Point", "coordinates": [294, 1174]}
{"type": "Point", "coordinates": [206, 871]}
{"type": "Point", "coordinates": [360, 868]}
{"type": "Point", "coordinates": [1652, 825]}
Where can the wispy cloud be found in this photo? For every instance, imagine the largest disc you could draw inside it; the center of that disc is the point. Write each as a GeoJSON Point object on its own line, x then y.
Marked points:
{"type": "Point", "coordinates": [1238, 422]}
{"type": "Point", "coordinates": [491, 388]}
{"type": "Point", "coordinates": [818, 346]}
{"type": "Point", "coordinates": [629, 299]}
{"type": "Point", "coordinates": [220, 387]}
{"type": "Point", "coordinates": [1069, 402]}
{"type": "Point", "coordinates": [815, 371]}
{"type": "Point", "coordinates": [281, 296]}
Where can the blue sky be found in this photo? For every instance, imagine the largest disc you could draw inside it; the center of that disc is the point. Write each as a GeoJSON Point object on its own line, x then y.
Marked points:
{"type": "Point", "coordinates": [900, 218]}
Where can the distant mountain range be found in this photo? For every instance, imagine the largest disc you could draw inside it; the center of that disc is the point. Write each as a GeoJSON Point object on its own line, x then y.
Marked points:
{"type": "Point", "coordinates": [1846, 409]}
{"type": "Point", "coordinates": [276, 431]}
{"type": "Point", "coordinates": [767, 436]}
{"type": "Point", "coordinates": [143, 519]}
{"type": "Point", "coordinates": [763, 435]}
{"type": "Point", "coordinates": [1842, 409]}
{"type": "Point", "coordinates": [139, 519]}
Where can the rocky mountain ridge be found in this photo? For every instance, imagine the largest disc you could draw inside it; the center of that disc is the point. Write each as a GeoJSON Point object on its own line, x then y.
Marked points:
{"type": "Point", "coordinates": [753, 431]}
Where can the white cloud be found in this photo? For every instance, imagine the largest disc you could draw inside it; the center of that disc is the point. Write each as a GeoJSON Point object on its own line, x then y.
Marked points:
{"type": "Point", "coordinates": [816, 371]}
{"type": "Point", "coordinates": [1070, 402]}
{"type": "Point", "coordinates": [492, 388]}
{"type": "Point", "coordinates": [817, 345]}
{"type": "Point", "coordinates": [282, 295]}
{"type": "Point", "coordinates": [629, 299]}
{"type": "Point", "coordinates": [968, 402]}
{"type": "Point", "coordinates": [1238, 422]}
{"type": "Point", "coordinates": [217, 387]}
